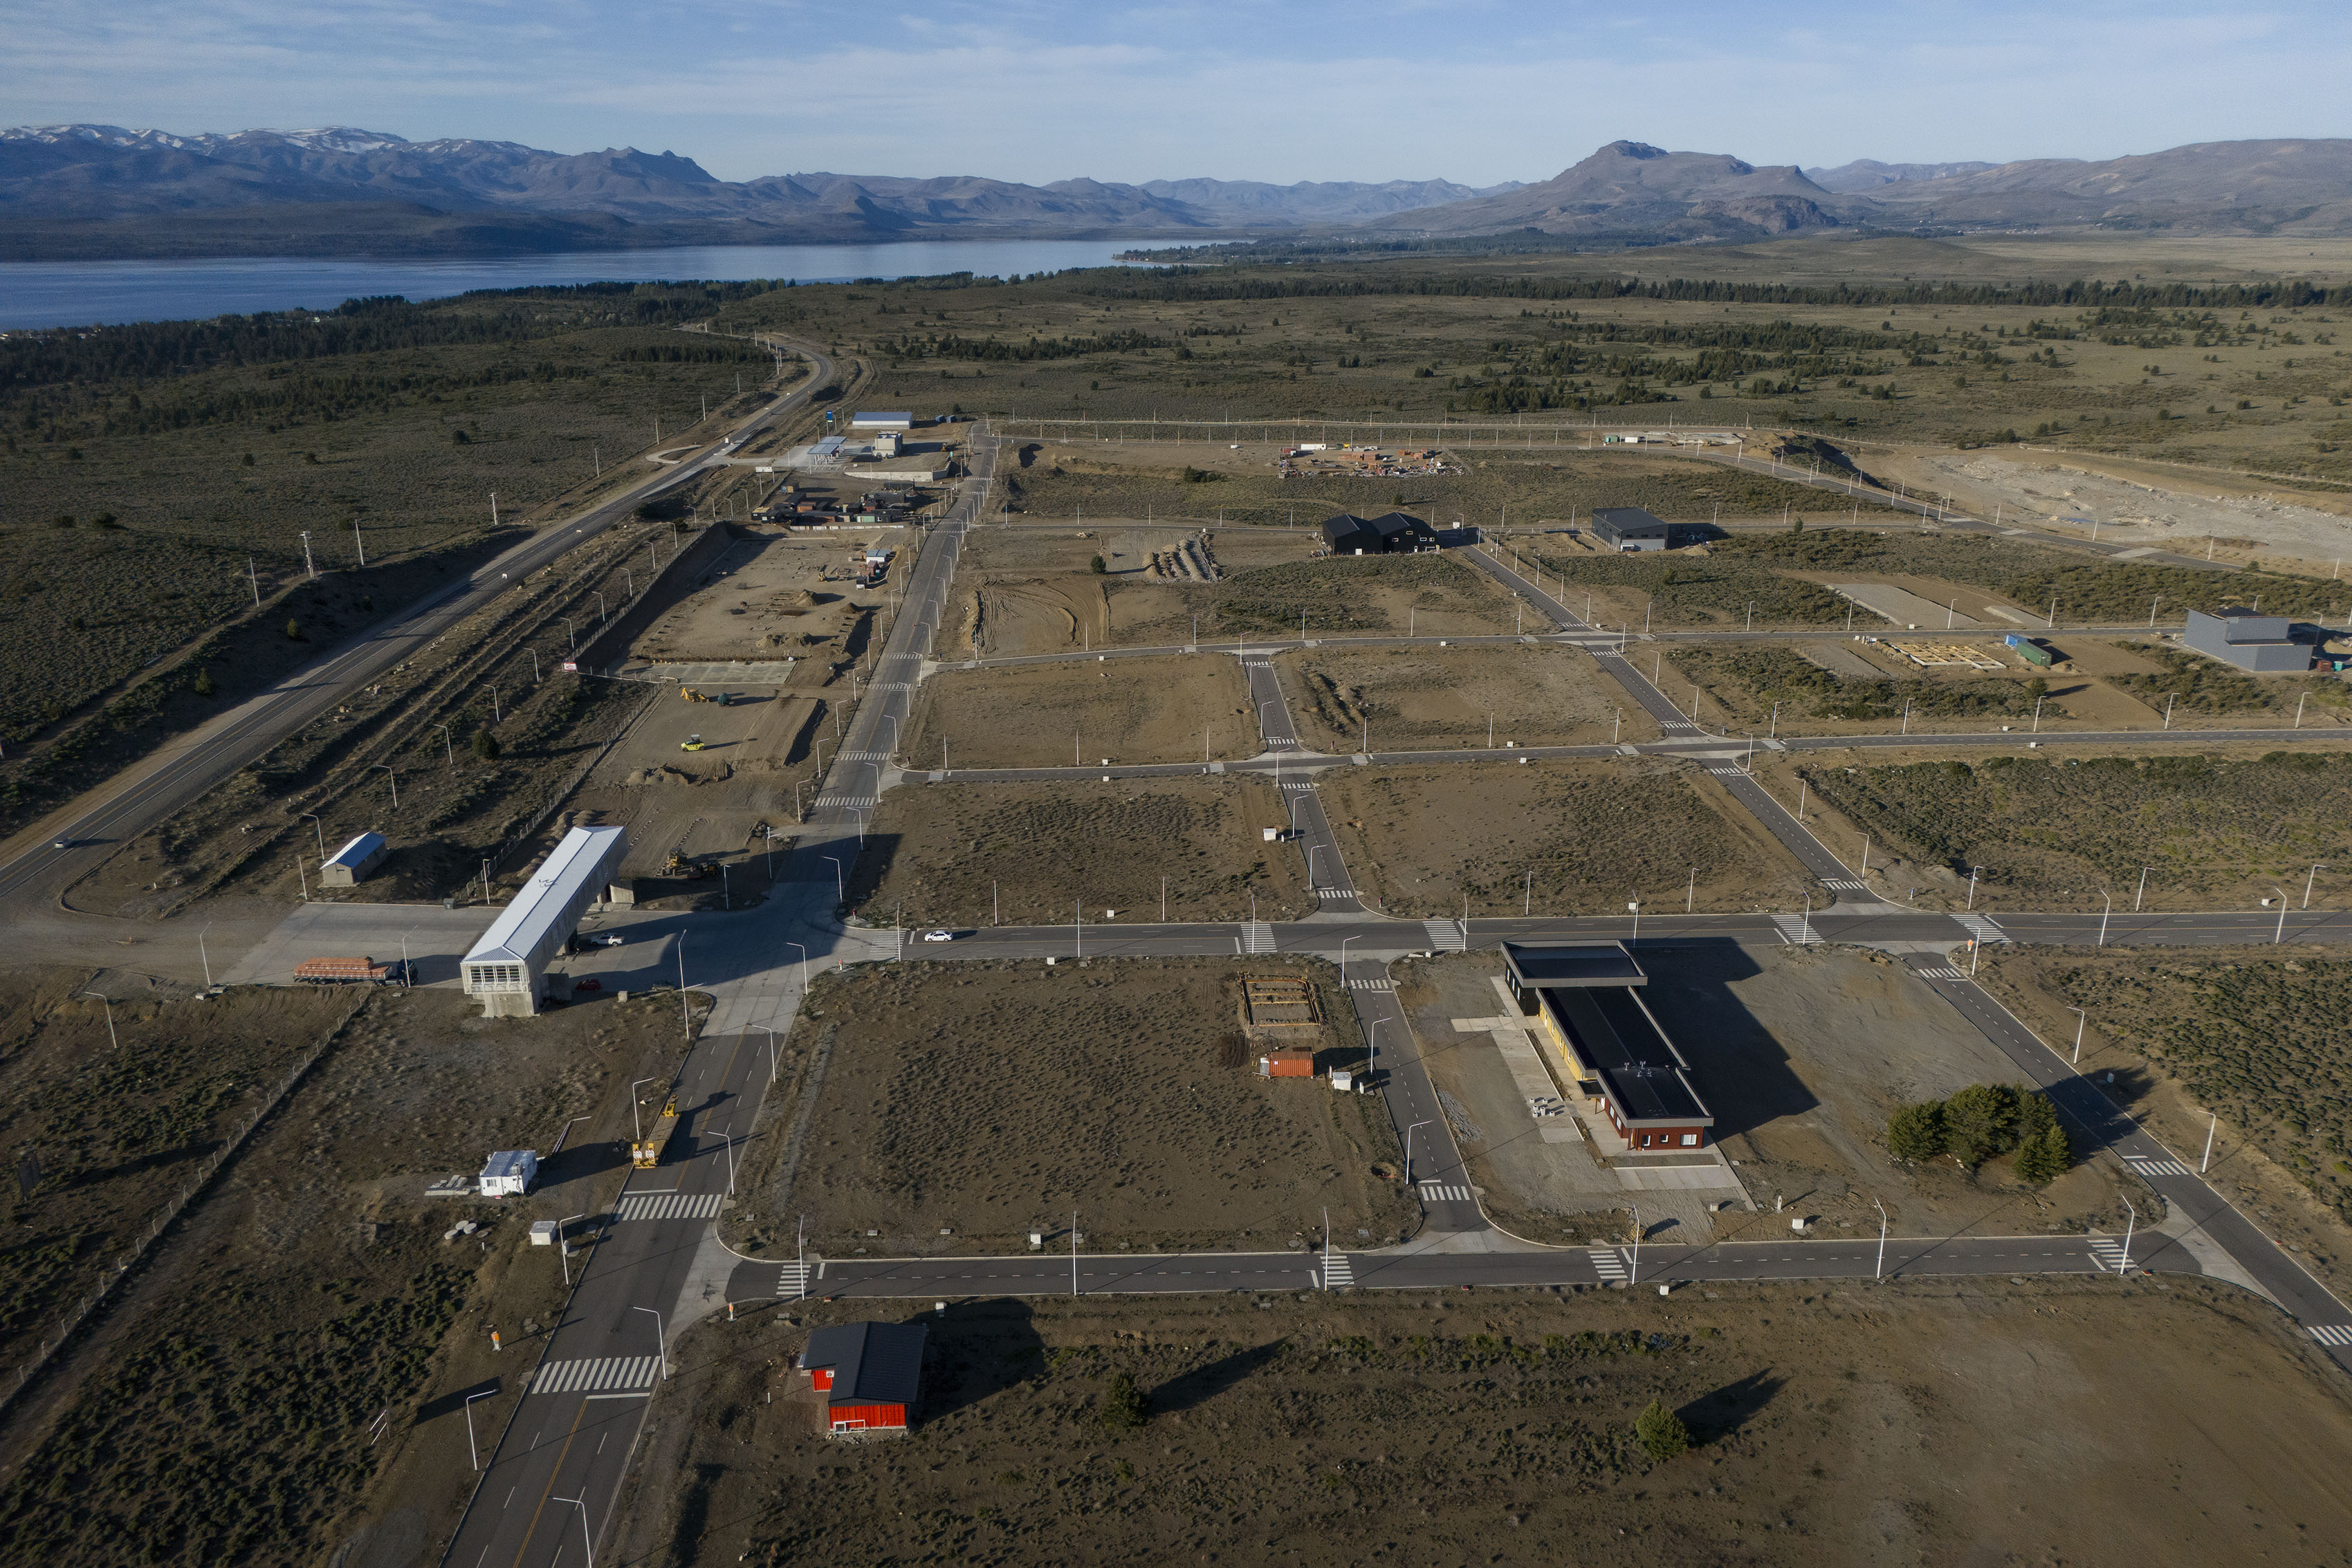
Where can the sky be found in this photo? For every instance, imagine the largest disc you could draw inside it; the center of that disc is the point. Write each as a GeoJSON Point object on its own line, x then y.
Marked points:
{"type": "Point", "coordinates": [1033, 91]}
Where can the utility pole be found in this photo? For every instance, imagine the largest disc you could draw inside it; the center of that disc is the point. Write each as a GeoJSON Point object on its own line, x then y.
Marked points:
{"type": "Point", "coordinates": [358, 541]}
{"type": "Point", "coordinates": [308, 565]}
{"type": "Point", "coordinates": [254, 578]}
{"type": "Point", "coordinates": [494, 509]}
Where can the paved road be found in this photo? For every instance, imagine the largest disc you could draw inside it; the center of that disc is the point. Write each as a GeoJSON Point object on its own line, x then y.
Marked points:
{"type": "Point", "coordinates": [672, 1262]}
{"type": "Point", "coordinates": [183, 770]}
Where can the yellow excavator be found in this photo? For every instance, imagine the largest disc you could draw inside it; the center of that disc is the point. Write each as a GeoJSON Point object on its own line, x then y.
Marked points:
{"type": "Point", "coordinates": [647, 1151]}
{"type": "Point", "coordinates": [677, 865]}
{"type": "Point", "coordinates": [690, 695]}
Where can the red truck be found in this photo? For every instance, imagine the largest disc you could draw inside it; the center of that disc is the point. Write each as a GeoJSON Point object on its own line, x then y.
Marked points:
{"type": "Point", "coordinates": [347, 971]}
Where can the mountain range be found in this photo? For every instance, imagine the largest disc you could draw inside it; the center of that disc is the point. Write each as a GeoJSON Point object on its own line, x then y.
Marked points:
{"type": "Point", "coordinates": [86, 191]}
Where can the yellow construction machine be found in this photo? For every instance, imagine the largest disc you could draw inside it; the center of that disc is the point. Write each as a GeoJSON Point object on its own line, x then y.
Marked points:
{"type": "Point", "coordinates": [647, 1151]}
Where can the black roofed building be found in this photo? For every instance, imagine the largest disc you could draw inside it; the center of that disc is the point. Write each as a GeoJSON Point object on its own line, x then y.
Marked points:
{"type": "Point", "coordinates": [1633, 528]}
{"type": "Point", "coordinates": [871, 1375]}
{"type": "Point", "coordinates": [1392, 531]}
{"type": "Point", "coordinates": [1588, 995]}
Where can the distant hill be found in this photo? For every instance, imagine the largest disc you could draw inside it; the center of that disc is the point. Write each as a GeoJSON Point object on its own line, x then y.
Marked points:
{"type": "Point", "coordinates": [1869, 173]}
{"type": "Point", "coordinates": [84, 191]}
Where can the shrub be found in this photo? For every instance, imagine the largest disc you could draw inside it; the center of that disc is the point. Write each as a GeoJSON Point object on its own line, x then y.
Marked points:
{"type": "Point", "coordinates": [202, 685]}
{"type": "Point", "coordinates": [1123, 1408]}
{"type": "Point", "coordinates": [1098, 566]}
{"type": "Point", "coordinates": [1916, 1133]}
{"type": "Point", "coordinates": [1661, 1432]}
{"type": "Point", "coordinates": [486, 746]}
{"type": "Point", "coordinates": [1980, 1121]}
{"type": "Point", "coordinates": [293, 630]}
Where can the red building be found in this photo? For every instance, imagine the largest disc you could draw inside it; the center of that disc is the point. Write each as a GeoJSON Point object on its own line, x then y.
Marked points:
{"type": "Point", "coordinates": [870, 1373]}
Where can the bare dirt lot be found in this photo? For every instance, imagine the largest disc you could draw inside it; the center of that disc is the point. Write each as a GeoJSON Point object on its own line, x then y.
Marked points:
{"type": "Point", "coordinates": [774, 596]}
{"type": "Point", "coordinates": [222, 1410]}
{"type": "Point", "coordinates": [1027, 588]}
{"type": "Point", "coordinates": [1431, 699]}
{"type": "Point", "coordinates": [987, 1100]}
{"type": "Point", "coordinates": [1591, 835]}
{"type": "Point", "coordinates": [965, 855]}
{"type": "Point", "coordinates": [1183, 708]}
{"type": "Point", "coordinates": [2255, 1038]}
{"type": "Point", "coordinates": [1499, 1428]}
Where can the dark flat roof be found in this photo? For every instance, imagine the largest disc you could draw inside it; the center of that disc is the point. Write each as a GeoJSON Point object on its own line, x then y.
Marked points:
{"type": "Point", "coordinates": [872, 1364]}
{"type": "Point", "coordinates": [1639, 1066]}
{"type": "Point", "coordinates": [1627, 520]}
{"type": "Point", "coordinates": [1573, 964]}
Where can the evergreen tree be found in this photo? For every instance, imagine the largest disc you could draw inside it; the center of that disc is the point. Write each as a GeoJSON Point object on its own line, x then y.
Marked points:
{"type": "Point", "coordinates": [1123, 1408]}
{"type": "Point", "coordinates": [1980, 1122]}
{"type": "Point", "coordinates": [204, 686]}
{"type": "Point", "coordinates": [1916, 1133]}
{"type": "Point", "coordinates": [2044, 1158]}
{"type": "Point", "coordinates": [1661, 1431]}
{"type": "Point", "coordinates": [486, 746]}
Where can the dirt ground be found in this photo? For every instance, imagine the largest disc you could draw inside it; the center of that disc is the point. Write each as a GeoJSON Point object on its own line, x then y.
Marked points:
{"type": "Point", "coordinates": [1801, 1053]}
{"type": "Point", "coordinates": [2073, 828]}
{"type": "Point", "coordinates": [776, 596]}
{"type": "Point", "coordinates": [224, 1410]}
{"type": "Point", "coordinates": [1192, 707]}
{"type": "Point", "coordinates": [2075, 1421]}
{"type": "Point", "coordinates": [1593, 833]}
{"type": "Point", "coordinates": [963, 855]}
{"type": "Point", "coordinates": [2255, 1038]}
{"type": "Point", "coordinates": [986, 1100]}
{"type": "Point", "coordinates": [1026, 589]}
{"type": "Point", "coordinates": [1430, 698]}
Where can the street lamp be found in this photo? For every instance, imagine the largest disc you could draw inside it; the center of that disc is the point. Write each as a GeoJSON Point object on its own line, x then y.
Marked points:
{"type": "Point", "coordinates": [2081, 1018]}
{"type": "Point", "coordinates": [318, 828]}
{"type": "Point", "coordinates": [206, 958]}
{"type": "Point", "coordinates": [2110, 908]}
{"type": "Point", "coordinates": [585, 1539]}
{"type": "Point", "coordinates": [109, 1006]}
{"type": "Point", "coordinates": [2307, 881]}
{"type": "Point", "coordinates": [635, 1120]}
{"type": "Point", "coordinates": [2143, 888]}
{"type": "Point", "coordinates": [1408, 1151]}
{"type": "Point", "coordinates": [1881, 1272]}
{"type": "Point", "coordinates": [2124, 1266]}
{"type": "Point", "coordinates": [394, 780]}
{"type": "Point", "coordinates": [1635, 905]}
{"type": "Point", "coordinates": [563, 1247]}
{"type": "Point", "coordinates": [661, 1339]}
{"type": "Point", "coordinates": [471, 1451]}
{"type": "Point", "coordinates": [2280, 935]}
{"type": "Point", "coordinates": [840, 893]}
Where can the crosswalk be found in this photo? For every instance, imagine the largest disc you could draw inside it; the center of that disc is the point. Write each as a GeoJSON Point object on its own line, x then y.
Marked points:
{"type": "Point", "coordinates": [1443, 1192]}
{"type": "Point", "coordinates": [1339, 892]}
{"type": "Point", "coordinates": [1339, 1274]}
{"type": "Point", "coordinates": [1844, 884]}
{"type": "Point", "coordinates": [2153, 1166]}
{"type": "Point", "coordinates": [598, 1375]}
{"type": "Point", "coordinates": [1942, 972]}
{"type": "Point", "coordinates": [1982, 929]}
{"type": "Point", "coordinates": [1257, 937]}
{"type": "Point", "coordinates": [792, 1281]}
{"type": "Point", "coordinates": [1383, 984]}
{"type": "Point", "coordinates": [1728, 773]}
{"type": "Point", "coordinates": [1607, 1262]}
{"type": "Point", "coordinates": [2108, 1253]}
{"type": "Point", "coordinates": [1797, 930]}
{"type": "Point", "coordinates": [2337, 1336]}
{"type": "Point", "coordinates": [670, 1205]}
{"type": "Point", "coordinates": [1445, 936]}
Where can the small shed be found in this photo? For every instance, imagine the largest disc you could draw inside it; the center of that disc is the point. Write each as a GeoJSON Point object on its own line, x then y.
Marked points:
{"type": "Point", "coordinates": [352, 863]}
{"type": "Point", "coordinates": [509, 1173]}
{"type": "Point", "coordinates": [870, 1373]}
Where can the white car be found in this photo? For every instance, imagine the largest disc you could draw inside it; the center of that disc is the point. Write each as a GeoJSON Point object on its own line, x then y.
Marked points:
{"type": "Point", "coordinates": [611, 939]}
{"type": "Point", "coordinates": [938, 935]}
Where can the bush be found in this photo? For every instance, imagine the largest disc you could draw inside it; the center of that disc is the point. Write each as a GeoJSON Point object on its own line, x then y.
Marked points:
{"type": "Point", "coordinates": [1098, 566]}
{"type": "Point", "coordinates": [202, 685]}
{"type": "Point", "coordinates": [293, 630]}
{"type": "Point", "coordinates": [1661, 1431]}
{"type": "Point", "coordinates": [1980, 1122]}
{"type": "Point", "coordinates": [1123, 1408]}
{"type": "Point", "coordinates": [486, 746]}
{"type": "Point", "coordinates": [2044, 1158]}
{"type": "Point", "coordinates": [1916, 1133]}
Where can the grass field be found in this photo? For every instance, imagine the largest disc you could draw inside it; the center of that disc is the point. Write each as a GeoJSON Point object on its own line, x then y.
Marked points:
{"type": "Point", "coordinates": [962, 854]}
{"type": "Point", "coordinates": [1552, 838]}
{"type": "Point", "coordinates": [2055, 833]}
{"type": "Point", "coordinates": [1498, 1427]}
{"type": "Point", "coordinates": [965, 1107]}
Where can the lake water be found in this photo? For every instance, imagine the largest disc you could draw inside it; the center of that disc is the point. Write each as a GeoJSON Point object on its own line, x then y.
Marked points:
{"type": "Point", "coordinates": [86, 293]}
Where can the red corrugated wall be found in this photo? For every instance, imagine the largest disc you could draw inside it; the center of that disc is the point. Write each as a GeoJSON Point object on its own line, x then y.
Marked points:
{"type": "Point", "coordinates": [871, 1414]}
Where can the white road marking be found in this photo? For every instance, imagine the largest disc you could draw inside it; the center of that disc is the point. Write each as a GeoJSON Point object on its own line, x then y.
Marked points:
{"type": "Point", "coordinates": [670, 1205]}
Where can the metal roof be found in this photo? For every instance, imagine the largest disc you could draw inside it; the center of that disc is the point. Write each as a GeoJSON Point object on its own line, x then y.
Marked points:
{"type": "Point", "coordinates": [1619, 522]}
{"type": "Point", "coordinates": [355, 854]}
{"type": "Point", "coordinates": [872, 1364]}
{"type": "Point", "coordinates": [576, 864]}
{"type": "Point", "coordinates": [1573, 964]}
{"type": "Point", "coordinates": [1638, 1066]}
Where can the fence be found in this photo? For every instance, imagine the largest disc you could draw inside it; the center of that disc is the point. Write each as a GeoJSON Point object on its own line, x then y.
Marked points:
{"type": "Point", "coordinates": [170, 1213]}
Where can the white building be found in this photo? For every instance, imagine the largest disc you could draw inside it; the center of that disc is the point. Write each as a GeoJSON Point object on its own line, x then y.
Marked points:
{"type": "Point", "coordinates": [352, 864]}
{"type": "Point", "coordinates": [881, 421]}
{"type": "Point", "coordinates": [506, 966]}
{"type": "Point", "coordinates": [509, 1173]}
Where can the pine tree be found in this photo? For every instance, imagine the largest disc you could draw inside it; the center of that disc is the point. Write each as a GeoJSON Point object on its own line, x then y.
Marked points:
{"type": "Point", "coordinates": [202, 685]}
{"type": "Point", "coordinates": [1980, 1122]}
{"type": "Point", "coordinates": [1123, 1407]}
{"type": "Point", "coordinates": [1916, 1133]}
{"type": "Point", "coordinates": [1661, 1431]}
{"type": "Point", "coordinates": [2044, 1158]}
{"type": "Point", "coordinates": [486, 746]}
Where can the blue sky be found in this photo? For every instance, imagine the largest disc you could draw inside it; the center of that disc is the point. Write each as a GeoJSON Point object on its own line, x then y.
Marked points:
{"type": "Point", "coordinates": [1039, 89]}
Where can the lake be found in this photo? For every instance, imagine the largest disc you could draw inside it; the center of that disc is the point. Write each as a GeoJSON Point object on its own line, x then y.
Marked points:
{"type": "Point", "coordinates": [87, 293]}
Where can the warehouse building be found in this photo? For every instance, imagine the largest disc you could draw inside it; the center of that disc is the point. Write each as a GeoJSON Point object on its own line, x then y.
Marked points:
{"type": "Point", "coordinates": [871, 1375]}
{"type": "Point", "coordinates": [1588, 995]}
{"type": "Point", "coordinates": [507, 966]}
{"type": "Point", "coordinates": [1392, 531]}
{"type": "Point", "coordinates": [2263, 644]}
{"type": "Point", "coordinates": [1632, 529]}
{"type": "Point", "coordinates": [350, 865]}
{"type": "Point", "coordinates": [881, 421]}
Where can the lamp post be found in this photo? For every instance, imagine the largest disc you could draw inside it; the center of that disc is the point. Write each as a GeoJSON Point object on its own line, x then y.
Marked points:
{"type": "Point", "coordinates": [318, 828]}
{"type": "Point", "coordinates": [2109, 908]}
{"type": "Point", "coordinates": [2081, 1018]}
{"type": "Point", "coordinates": [110, 1039]}
{"type": "Point", "coordinates": [1635, 905]}
{"type": "Point", "coordinates": [840, 893]}
{"type": "Point", "coordinates": [803, 953]}
{"type": "Point", "coordinates": [1636, 1278]}
{"type": "Point", "coordinates": [1881, 1272]}
{"type": "Point", "coordinates": [206, 958]}
{"type": "Point", "coordinates": [1408, 1153]}
{"type": "Point", "coordinates": [2123, 1266]}
{"type": "Point", "coordinates": [635, 1121]}
{"type": "Point", "coordinates": [2309, 879]}
{"type": "Point", "coordinates": [661, 1339]}
{"type": "Point", "coordinates": [472, 1451]}
{"type": "Point", "coordinates": [2142, 891]}
{"type": "Point", "coordinates": [563, 1247]}
{"type": "Point", "coordinates": [585, 1540]}
{"type": "Point", "coordinates": [394, 778]}
{"type": "Point", "coordinates": [2280, 935]}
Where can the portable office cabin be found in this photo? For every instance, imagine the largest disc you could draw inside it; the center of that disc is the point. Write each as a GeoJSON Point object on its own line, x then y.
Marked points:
{"type": "Point", "coordinates": [2263, 644]}
{"type": "Point", "coordinates": [509, 1173]}
{"type": "Point", "coordinates": [507, 966]}
{"type": "Point", "coordinates": [352, 864]}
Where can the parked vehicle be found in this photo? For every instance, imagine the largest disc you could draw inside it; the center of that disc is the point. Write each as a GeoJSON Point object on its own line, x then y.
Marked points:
{"type": "Point", "coordinates": [348, 971]}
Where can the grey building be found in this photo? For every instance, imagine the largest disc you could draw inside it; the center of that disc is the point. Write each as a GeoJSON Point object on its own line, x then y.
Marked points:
{"type": "Point", "coordinates": [1605, 1040]}
{"type": "Point", "coordinates": [1631, 529]}
{"type": "Point", "coordinates": [503, 970]}
{"type": "Point", "coordinates": [1349, 535]}
{"type": "Point", "coordinates": [2263, 644]}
